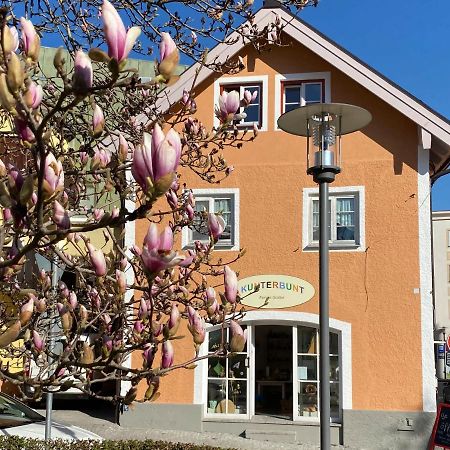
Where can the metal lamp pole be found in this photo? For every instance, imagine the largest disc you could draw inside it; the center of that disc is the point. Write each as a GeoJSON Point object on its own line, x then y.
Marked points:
{"type": "Point", "coordinates": [324, 123]}
{"type": "Point", "coordinates": [323, 175]}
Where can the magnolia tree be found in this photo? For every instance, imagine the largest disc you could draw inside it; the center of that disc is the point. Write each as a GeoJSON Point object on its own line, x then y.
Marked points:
{"type": "Point", "coordinates": [95, 123]}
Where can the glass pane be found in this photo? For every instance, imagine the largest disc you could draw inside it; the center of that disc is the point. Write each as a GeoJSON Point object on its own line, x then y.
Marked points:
{"type": "Point", "coordinates": [316, 219]}
{"type": "Point", "coordinates": [307, 368]}
{"type": "Point", "coordinates": [334, 400]}
{"type": "Point", "coordinates": [214, 341]}
{"type": "Point", "coordinates": [292, 94]}
{"type": "Point", "coordinates": [290, 106]}
{"type": "Point", "coordinates": [313, 93]}
{"type": "Point", "coordinates": [345, 233]}
{"type": "Point", "coordinates": [252, 90]}
{"type": "Point", "coordinates": [334, 368]}
{"type": "Point", "coordinates": [217, 367]}
{"type": "Point", "coordinates": [306, 338]}
{"type": "Point", "coordinates": [237, 395]}
{"type": "Point", "coordinates": [200, 227]}
{"type": "Point", "coordinates": [252, 112]}
{"type": "Point", "coordinates": [307, 399]}
{"type": "Point", "coordinates": [222, 206]}
{"type": "Point", "coordinates": [244, 350]}
{"type": "Point", "coordinates": [216, 396]}
{"type": "Point", "coordinates": [334, 344]}
{"type": "Point", "coordinates": [236, 366]}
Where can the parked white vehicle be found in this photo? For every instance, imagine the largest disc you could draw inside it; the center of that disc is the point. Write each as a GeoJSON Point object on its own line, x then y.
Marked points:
{"type": "Point", "coordinates": [18, 419]}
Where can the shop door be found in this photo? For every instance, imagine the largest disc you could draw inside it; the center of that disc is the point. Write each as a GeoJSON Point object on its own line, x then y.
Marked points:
{"type": "Point", "coordinates": [273, 375]}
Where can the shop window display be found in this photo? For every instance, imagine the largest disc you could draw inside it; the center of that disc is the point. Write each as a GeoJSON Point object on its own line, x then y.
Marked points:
{"type": "Point", "coordinates": [227, 379]}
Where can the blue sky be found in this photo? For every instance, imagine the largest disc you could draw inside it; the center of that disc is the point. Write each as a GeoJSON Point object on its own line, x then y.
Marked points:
{"type": "Point", "coordinates": [406, 40]}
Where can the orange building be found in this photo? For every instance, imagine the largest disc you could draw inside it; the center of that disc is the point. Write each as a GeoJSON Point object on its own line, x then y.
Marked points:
{"type": "Point", "coordinates": [381, 309]}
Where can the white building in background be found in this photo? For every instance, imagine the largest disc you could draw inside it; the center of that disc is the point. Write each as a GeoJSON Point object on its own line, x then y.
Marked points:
{"type": "Point", "coordinates": [441, 262]}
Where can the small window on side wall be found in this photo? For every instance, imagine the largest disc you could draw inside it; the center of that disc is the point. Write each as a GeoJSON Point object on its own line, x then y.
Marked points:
{"type": "Point", "coordinates": [221, 202]}
{"type": "Point", "coordinates": [253, 111]}
{"type": "Point", "coordinates": [346, 219]}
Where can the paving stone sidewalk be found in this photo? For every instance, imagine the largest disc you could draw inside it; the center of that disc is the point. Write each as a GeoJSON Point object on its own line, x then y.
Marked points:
{"type": "Point", "coordinates": [108, 430]}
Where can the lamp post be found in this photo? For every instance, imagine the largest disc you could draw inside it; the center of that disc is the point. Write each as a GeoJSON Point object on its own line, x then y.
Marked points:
{"type": "Point", "coordinates": [323, 124]}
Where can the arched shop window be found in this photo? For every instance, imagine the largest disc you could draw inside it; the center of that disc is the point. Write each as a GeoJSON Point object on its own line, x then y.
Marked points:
{"type": "Point", "coordinates": [277, 374]}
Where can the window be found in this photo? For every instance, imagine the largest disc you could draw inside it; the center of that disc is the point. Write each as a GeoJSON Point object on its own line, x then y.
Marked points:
{"type": "Point", "coordinates": [346, 218]}
{"type": "Point", "coordinates": [301, 93]}
{"type": "Point", "coordinates": [224, 202]}
{"type": "Point", "coordinates": [294, 90]}
{"type": "Point", "coordinates": [254, 110]}
{"type": "Point", "coordinates": [227, 378]}
{"type": "Point", "coordinates": [308, 372]}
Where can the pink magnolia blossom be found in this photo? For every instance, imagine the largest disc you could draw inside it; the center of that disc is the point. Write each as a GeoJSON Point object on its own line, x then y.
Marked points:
{"type": "Point", "coordinates": [121, 281]}
{"type": "Point", "coordinates": [60, 216]}
{"type": "Point", "coordinates": [31, 40]}
{"type": "Point", "coordinates": [138, 327]}
{"type": "Point", "coordinates": [167, 355]}
{"type": "Point", "coordinates": [97, 259]}
{"type": "Point", "coordinates": [73, 300]}
{"type": "Point", "coordinates": [196, 325]}
{"type": "Point", "coordinates": [23, 130]}
{"type": "Point", "coordinates": [169, 56]}
{"type": "Point", "coordinates": [123, 148]}
{"type": "Point", "coordinates": [101, 158]}
{"type": "Point", "coordinates": [157, 253]}
{"type": "Point", "coordinates": [98, 213]}
{"type": "Point", "coordinates": [98, 121]}
{"type": "Point", "coordinates": [149, 355]}
{"type": "Point", "coordinates": [82, 72]}
{"type": "Point", "coordinates": [156, 157]}
{"type": "Point", "coordinates": [216, 225]}
{"type": "Point", "coordinates": [174, 321]}
{"type": "Point", "coordinates": [34, 95]}
{"type": "Point", "coordinates": [249, 97]}
{"type": "Point", "coordinates": [229, 104]}
{"type": "Point", "coordinates": [231, 284]}
{"type": "Point", "coordinates": [38, 342]}
{"type": "Point", "coordinates": [143, 309]}
{"type": "Point", "coordinates": [120, 42]}
{"type": "Point", "coordinates": [238, 337]}
{"type": "Point", "coordinates": [53, 175]}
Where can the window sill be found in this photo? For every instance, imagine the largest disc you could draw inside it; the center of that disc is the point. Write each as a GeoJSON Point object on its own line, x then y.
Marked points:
{"type": "Point", "coordinates": [334, 246]}
{"type": "Point", "coordinates": [217, 247]}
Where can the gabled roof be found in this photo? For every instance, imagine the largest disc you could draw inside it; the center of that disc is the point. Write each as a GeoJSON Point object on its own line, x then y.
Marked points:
{"type": "Point", "coordinates": [425, 117]}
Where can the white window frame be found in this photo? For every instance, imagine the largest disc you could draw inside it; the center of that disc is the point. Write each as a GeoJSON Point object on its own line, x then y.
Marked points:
{"type": "Point", "coordinates": [263, 80]}
{"type": "Point", "coordinates": [300, 77]}
{"type": "Point", "coordinates": [358, 192]}
{"type": "Point", "coordinates": [211, 194]}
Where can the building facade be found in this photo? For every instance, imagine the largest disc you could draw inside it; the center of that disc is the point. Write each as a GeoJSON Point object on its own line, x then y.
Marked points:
{"type": "Point", "coordinates": [383, 387]}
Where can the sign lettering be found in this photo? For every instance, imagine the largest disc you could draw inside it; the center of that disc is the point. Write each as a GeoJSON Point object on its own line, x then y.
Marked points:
{"type": "Point", "coordinates": [274, 291]}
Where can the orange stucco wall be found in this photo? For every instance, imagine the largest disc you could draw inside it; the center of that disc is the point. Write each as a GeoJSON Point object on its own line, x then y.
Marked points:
{"type": "Point", "coordinates": [372, 290]}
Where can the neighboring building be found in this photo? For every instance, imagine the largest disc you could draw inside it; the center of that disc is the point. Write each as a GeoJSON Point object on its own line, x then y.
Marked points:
{"type": "Point", "coordinates": [383, 375]}
{"type": "Point", "coordinates": [441, 271]}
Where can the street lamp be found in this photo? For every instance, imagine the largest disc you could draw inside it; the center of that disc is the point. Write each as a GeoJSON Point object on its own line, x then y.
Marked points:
{"type": "Point", "coordinates": [323, 124]}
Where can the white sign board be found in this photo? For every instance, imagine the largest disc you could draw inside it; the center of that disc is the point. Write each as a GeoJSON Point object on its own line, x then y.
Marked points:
{"type": "Point", "coordinates": [274, 291]}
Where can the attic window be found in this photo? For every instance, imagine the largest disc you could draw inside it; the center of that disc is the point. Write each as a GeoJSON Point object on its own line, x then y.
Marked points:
{"type": "Point", "coordinates": [254, 110]}
{"type": "Point", "coordinates": [301, 93]}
